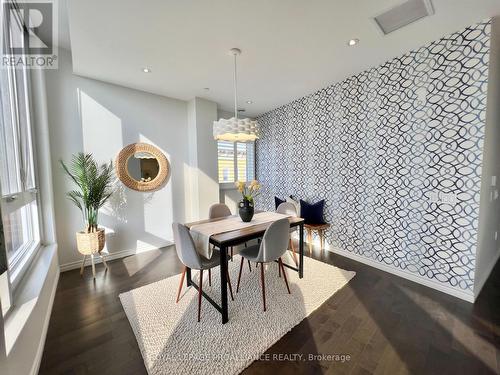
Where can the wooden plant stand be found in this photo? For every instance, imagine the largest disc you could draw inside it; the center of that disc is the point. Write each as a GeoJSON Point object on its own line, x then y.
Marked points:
{"type": "Point", "coordinates": [320, 229]}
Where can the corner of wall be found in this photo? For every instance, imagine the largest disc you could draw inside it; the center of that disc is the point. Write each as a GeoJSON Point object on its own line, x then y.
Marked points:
{"type": "Point", "coordinates": [488, 249]}
{"type": "Point", "coordinates": [202, 156]}
{"type": "Point", "coordinates": [192, 177]}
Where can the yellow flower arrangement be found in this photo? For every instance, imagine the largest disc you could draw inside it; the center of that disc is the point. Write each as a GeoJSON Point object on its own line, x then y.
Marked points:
{"type": "Point", "coordinates": [240, 185]}
{"type": "Point", "coordinates": [248, 192]}
{"type": "Point", "coordinates": [254, 185]}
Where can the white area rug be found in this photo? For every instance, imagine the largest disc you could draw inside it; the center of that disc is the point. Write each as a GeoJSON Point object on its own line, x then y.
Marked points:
{"type": "Point", "coordinates": [173, 342]}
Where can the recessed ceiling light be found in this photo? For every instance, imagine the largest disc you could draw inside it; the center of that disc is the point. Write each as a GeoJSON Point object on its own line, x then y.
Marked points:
{"type": "Point", "coordinates": [146, 70]}
{"type": "Point", "coordinates": [249, 102]}
{"type": "Point", "coordinates": [352, 42]}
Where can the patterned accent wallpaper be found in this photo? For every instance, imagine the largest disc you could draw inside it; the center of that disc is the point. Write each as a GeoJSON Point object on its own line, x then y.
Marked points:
{"type": "Point", "coordinates": [396, 151]}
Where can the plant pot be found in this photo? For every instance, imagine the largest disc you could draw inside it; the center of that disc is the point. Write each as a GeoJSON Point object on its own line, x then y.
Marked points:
{"type": "Point", "coordinates": [246, 210]}
{"type": "Point", "coordinates": [90, 243]}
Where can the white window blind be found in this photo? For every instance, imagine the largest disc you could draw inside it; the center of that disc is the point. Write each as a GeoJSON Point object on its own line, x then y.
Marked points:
{"type": "Point", "coordinates": [236, 161]}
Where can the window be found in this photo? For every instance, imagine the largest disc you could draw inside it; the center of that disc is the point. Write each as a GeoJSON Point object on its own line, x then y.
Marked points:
{"type": "Point", "coordinates": [19, 196]}
{"type": "Point", "coordinates": [236, 161]}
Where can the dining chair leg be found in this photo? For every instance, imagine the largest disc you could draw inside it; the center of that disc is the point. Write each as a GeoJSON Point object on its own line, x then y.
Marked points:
{"type": "Point", "coordinates": [209, 277]}
{"type": "Point", "coordinates": [232, 254]}
{"type": "Point", "coordinates": [83, 265]}
{"type": "Point", "coordinates": [230, 287]}
{"type": "Point", "coordinates": [239, 275]}
{"type": "Point", "coordinates": [280, 263]}
{"type": "Point", "coordinates": [180, 284]}
{"type": "Point", "coordinates": [279, 271]}
{"type": "Point", "coordinates": [199, 294]}
{"type": "Point", "coordinates": [249, 266]}
{"type": "Point", "coordinates": [294, 254]}
{"type": "Point", "coordinates": [263, 285]}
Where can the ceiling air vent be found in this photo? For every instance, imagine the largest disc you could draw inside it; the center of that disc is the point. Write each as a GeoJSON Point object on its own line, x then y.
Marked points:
{"type": "Point", "coordinates": [404, 14]}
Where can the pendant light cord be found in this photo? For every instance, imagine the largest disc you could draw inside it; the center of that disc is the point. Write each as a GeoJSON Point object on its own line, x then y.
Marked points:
{"type": "Point", "coordinates": [235, 90]}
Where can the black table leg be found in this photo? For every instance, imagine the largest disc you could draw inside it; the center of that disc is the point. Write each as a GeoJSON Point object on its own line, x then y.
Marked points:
{"type": "Point", "coordinates": [301, 250]}
{"type": "Point", "coordinates": [188, 276]}
{"type": "Point", "coordinates": [223, 283]}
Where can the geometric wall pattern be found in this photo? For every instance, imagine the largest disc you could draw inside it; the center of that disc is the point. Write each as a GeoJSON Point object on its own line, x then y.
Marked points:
{"type": "Point", "coordinates": [378, 145]}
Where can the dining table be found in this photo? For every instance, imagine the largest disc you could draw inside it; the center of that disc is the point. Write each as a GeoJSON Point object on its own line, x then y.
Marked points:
{"type": "Point", "coordinates": [226, 239]}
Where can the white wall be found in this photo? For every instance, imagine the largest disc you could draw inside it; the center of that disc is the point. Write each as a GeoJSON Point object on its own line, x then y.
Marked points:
{"type": "Point", "coordinates": [101, 118]}
{"type": "Point", "coordinates": [204, 186]}
{"type": "Point", "coordinates": [488, 250]}
{"type": "Point", "coordinates": [230, 197]}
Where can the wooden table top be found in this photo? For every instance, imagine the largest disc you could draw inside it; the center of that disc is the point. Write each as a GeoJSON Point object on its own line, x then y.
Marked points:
{"type": "Point", "coordinates": [317, 226]}
{"type": "Point", "coordinates": [238, 236]}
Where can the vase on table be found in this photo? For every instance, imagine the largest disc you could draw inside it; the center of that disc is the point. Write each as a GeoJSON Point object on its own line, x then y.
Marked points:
{"type": "Point", "coordinates": [246, 210]}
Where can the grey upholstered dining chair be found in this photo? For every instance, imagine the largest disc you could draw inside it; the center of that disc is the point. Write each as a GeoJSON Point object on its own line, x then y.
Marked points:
{"type": "Point", "coordinates": [273, 245]}
{"type": "Point", "coordinates": [218, 210]}
{"type": "Point", "coordinates": [190, 257]}
{"type": "Point", "coordinates": [287, 208]}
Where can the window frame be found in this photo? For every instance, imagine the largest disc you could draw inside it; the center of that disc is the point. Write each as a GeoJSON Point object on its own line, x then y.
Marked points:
{"type": "Point", "coordinates": [230, 185]}
{"type": "Point", "coordinates": [18, 265]}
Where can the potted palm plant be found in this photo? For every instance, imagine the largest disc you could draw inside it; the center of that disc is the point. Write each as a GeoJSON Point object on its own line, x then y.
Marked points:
{"type": "Point", "coordinates": [94, 186]}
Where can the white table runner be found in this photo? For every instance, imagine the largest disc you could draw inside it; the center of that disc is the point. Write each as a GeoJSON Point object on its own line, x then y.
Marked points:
{"type": "Point", "coordinates": [201, 233]}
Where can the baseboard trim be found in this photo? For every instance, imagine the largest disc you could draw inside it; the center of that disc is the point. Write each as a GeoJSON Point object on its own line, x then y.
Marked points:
{"type": "Point", "coordinates": [45, 328]}
{"type": "Point", "coordinates": [115, 255]}
{"type": "Point", "coordinates": [481, 283]}
{"type": "Point", "coordinates": [406, 275]}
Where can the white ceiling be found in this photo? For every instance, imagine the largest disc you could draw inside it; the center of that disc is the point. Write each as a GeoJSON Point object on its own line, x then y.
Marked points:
{"type": "Point", "coordinates": [290, 48]}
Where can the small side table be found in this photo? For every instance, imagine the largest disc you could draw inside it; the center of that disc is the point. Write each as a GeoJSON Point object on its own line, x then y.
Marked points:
{"type": "Point", "coordinates": [320, 228]}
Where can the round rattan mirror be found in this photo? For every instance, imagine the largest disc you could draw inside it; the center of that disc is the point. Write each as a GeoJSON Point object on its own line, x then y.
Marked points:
{"type": "Point", "coordinates": [142, 167]}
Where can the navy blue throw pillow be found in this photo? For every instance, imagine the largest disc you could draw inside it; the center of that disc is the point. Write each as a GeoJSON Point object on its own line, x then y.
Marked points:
{"type": "Point", "coordinates": [312, 213]}
{"type": "Point", "coordinates": [278, 201]}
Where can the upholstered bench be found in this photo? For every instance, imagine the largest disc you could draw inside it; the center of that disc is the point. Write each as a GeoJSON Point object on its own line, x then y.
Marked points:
{"type": "Point", "coordinates": [319, 228]}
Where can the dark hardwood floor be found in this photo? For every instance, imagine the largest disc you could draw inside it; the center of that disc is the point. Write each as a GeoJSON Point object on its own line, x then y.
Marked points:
{"type": "Point", "coordinates": [387, 325]}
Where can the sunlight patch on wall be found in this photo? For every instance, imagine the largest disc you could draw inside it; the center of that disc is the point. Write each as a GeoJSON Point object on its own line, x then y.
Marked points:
{"type": "Point", "coordinates": [155, 202]}
{"type": "Point", "coordinates": [101, 128]}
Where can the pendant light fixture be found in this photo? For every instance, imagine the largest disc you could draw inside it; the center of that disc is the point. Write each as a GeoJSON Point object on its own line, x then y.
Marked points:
{"type": "Point", "coordinates": [235, 129]}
